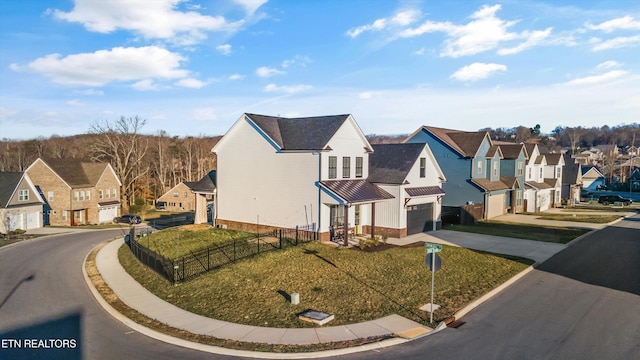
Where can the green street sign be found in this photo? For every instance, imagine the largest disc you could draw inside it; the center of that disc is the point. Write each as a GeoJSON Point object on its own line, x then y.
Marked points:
{"type": "Point", "coordinates": [432, 248]}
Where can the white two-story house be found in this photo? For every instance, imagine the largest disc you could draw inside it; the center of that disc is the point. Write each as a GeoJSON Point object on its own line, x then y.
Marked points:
{"type": "Point", "coordinates": [309, 172]}
{"type": "Point", "coordinates": [540, 192]}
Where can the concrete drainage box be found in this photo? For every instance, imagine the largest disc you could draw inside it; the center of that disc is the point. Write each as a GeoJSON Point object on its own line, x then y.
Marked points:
{"type": "Point", "coordinates": [315, 316]}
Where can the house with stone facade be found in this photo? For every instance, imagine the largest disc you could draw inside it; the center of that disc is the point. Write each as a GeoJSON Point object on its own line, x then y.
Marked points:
{"type": "Point", "coordinates": [77, 192]}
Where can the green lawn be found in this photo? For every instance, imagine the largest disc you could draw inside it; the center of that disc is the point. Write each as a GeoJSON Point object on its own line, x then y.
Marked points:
{"type": "Point", "coordinates": [595, 219]}
{"type": "Point", "coordinates": [561, 235]}
{"type": "Point", "coordinates": [179, 241]}
{"type": "Point", "coordinates": [353, 285]}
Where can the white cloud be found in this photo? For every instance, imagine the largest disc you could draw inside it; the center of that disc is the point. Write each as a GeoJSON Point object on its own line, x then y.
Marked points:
{"type": "Point", "coordinates": [365, 95]}
{"type": "Point", "coordinates": [191, 83]}
{"type": "Point", "coordinates": [532, 39]}
{"type": "Point", "coordinates": [300, 60]}
{"type": "Point", "coordinates": [265, 72]}
{"type": "Point", "coordinates": [236, 77]}
{"type": "Point", "coordinates": [75, 102]}
{"type": "Point", "coordinates": [289, 89]}
{"type": "Point", "coordinates": [146, 85]}
{"type": "Point", "coordinates": [484, 32]}
{"type": "Point", "coordinates": [224, 49]}
{"type": "Point", "coordinates": [618, 42]}
{"type": "Point", "coordinates": [623, 23]}
{"type": "Point", "coordinates": [90, 92]}
{"type": "Point", "coordinates": [402, 18]}
{"type": "Point", "coordinates": [204, 114]}
{"type": "Point", "coordinates": [251, 6]}
{"type": "Point", "coordinates": [598, 79]}
{"type": "Point", "coordinates": [608, 65]}
{"type": "Point", "coordinates": [105, 66]}
{"type": "Point", "coordinates": [157, 19]}
{"type": "Point", "coordinates": [477, 71]}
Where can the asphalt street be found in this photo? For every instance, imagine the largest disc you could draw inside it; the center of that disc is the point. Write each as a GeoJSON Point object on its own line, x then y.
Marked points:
{"type": "Point", "coordinates": [43, 296]}
{"type": "Point", "coordinates": [583, 303]}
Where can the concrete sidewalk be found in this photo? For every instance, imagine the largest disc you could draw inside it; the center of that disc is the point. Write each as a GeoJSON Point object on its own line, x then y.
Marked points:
{"type": "Point", "coordinates": [538, 251]}
{"type": "Point", "coordinates": [139, 298]}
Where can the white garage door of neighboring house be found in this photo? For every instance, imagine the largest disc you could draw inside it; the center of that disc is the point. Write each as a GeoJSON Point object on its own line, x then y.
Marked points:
{"type": "Point", "coordinates": [496, 206]}
{"type": "Point", "coordinates": [107, 214]}
{"type": "Point", "coordinates": [33, 220]}
{"type": "Point", "coordinates": [14, 222]}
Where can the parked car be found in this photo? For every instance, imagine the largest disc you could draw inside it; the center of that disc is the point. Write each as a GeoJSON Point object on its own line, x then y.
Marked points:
{"type": "Point", "coordinates": [128, 219]}
{"type": "Point", "coordinates": [611, 199]}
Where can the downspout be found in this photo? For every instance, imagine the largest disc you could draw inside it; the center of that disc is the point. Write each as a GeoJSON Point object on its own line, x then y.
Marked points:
{"type": "Point", "coordinates": [319, 190]}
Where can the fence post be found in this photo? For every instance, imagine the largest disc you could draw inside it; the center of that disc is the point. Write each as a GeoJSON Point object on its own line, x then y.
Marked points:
{"type": "Point", "coordinates": [280, 237]}
{"type": "Point", "coordinates": [296, 235]}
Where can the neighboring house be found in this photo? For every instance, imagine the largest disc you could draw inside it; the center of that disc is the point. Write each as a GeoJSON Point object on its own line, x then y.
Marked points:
{"type": "Point", "coordinates": [633, 151]}
{"type": "Point", "coordinates": [571, 180]}
{"type": "Point", "coordinates": [607, 150]}
{"type": "Point", "coordinates": [513, 166]}
{"type": "Point", "coordinates": [412, 175]}
{"type": "Point", "coordinates": [311, 172]}
{"type": "Point", "coordinates": [471, 164]}
{"type": "Point", "coordinates": [20, 204]}
{"type": "Point", "coordinates": [592, 178]}
{"type": "Point", "coordinates": [197, 196]}
{"type": "Point", "coordinates": [541, 193]}
{"type": "Point", "coordinates": [77, 192]}
{"type": "Point", "coordinates": [553, 176]}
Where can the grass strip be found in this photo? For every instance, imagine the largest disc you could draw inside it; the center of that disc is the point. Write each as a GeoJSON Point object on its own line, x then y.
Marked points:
{"type": "Point", "coordinates": [559, 235]}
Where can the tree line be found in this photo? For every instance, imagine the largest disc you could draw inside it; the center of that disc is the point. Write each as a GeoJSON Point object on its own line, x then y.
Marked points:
{"type": "Point", "coordinates": [147, 165]}
{"type": "Point", "coordinates": [150, 165]}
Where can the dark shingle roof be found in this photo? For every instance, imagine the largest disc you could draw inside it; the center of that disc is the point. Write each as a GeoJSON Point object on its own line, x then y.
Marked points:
{"type": "Point", "coordinates": [511, 150]}
{"type": "Point", "coordinates": [390, 163]}
{"type": "Point", "coordinates": [463, 142]}
{"type": "Point", "coordinates": [424, 191]}
{"type": "Point", "coordinates": [8, 183]}
{"type": "Point", "coordinates": [205, 185]}
{"type": "Point", "coordinates": [305, 133]}
{"type": "Point", "coordinates": [553, 158]}
{"type": "Point", "coordinates": [538, 185]}
{"type": "Point", "coordinates": [356, 191]}
{"type": "Point", "coordinates": [77, 173]}
{"type": "Point", "coordinates": [571, 173]}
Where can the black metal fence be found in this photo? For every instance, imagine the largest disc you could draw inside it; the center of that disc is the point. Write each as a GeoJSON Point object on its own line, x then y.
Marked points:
{"type": "Point", "coordinates": [202, 261]}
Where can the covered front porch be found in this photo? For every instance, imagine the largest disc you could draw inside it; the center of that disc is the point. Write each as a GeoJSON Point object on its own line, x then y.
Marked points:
{"type": "Point", "coordinates": [351, 208]}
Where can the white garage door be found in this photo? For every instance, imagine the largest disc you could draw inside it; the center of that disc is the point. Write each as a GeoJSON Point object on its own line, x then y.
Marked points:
{"type": "Point", "coordinates": [107, 214]}
{"type": "Point", "coordinates": [15, 222]}
{"type": "Point", "coordinates": [33, 220]}
{"type": "Point", "coordinates": [496, 206]}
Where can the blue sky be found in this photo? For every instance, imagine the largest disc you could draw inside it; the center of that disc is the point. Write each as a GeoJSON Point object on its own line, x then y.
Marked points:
{"type": "Point", "coordinates": [193, 67]}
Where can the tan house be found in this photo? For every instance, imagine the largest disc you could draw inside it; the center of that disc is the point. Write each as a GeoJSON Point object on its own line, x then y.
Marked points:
{"type": "Point", "coordinates": [77, 192]}
{"type": "Point", "coordinates": [194, 196]}
{"type": "Point", "coordinates": [20, 203]}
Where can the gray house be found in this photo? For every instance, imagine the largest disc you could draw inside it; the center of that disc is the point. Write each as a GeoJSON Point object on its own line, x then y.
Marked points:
{"type": "Point", "coordinates": [20, 203]}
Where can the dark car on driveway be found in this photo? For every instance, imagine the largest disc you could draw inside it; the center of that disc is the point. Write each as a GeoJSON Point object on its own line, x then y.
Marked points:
{"type": "Point", "coordinates": [612, 199]}
{"type": "Point", "coordinates": [128, 219]}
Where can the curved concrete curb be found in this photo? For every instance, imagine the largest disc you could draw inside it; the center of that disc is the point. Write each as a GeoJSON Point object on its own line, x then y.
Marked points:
{"type": "Point", "coordinates": [221, 350]}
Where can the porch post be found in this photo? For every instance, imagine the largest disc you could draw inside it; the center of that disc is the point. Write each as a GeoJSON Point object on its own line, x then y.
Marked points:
{"type": "Point", "coordinates": [373, 219]}
{"type": "Point", "coordinates": [346, 225]}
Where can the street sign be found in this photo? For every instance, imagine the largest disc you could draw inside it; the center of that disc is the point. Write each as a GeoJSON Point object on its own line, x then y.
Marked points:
{"type": "Point", "coordinates": [432, 248]}
{"type": "Point", "coordinates": [433, 262]}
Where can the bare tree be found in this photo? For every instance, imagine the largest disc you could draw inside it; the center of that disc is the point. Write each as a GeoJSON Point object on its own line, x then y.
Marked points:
{"type": "Point", "coordinates": [120, 143]}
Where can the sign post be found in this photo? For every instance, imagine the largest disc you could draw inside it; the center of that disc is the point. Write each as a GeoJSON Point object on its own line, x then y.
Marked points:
{"type": "Point", "coordinates": [434, 263]}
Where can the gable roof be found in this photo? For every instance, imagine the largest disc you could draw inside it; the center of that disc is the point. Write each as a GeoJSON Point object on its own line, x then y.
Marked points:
{"type": "Point", "coordinates": [465, 143]}
{"type": "Point", "coordinates": [554, 158]}
{"type": "Point", "coordinates": [512, 150]}
{"type": "Point", "coordinates": [593, 170]}
{"type": "Point", "coordinates": [391, 163]}
{"type": "Point", "coordinates": [76, 173]}
{"type": "Point", "coordinates": [206, 185]}
{"type": "Point", "coordinates": [572, 173]}
{"type": "Point", "coordinates": [8, 183]}
{"type": "Point", "coordinates": [303, 133]}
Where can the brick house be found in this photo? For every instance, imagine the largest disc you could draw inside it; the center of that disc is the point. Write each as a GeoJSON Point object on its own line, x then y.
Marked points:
{"type": "Point", "coordinates": [77, 192]}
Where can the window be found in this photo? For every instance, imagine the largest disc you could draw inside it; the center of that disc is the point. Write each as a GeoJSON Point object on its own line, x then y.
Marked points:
{"type": "Point", "coordinates": [336, 216]}
{"type": "Point", "coordinates": [479, 166]}
{"type": "Point", "coordinates": [64, 214]}
{"type": "Point", "coordinates": [81, 195]}
{"type": "Point", "coordinates": [101, 194]}
{"type": "Point", "coordinates": [359, 167]}
{"type": "Point", "coordinates": [423, 167]}
{"type": "Point", "coordinates": [75, 196]}
{"type": "Point", "coordinates": [495, 168]}
{"type": "Point", "coordinates": [541, 173]}
{"type": "Point", "coordinates": [519, 198]}
{"type": "Point", "coordinates": [558, 173]}
{"type": "Point", "coordinates": [346, 167]}
{"type": "Point", "coordinates": [333, 167]}
{"type": "Point", "coordinates": [175, 194]}
{"type": "Point", "coordinates": [520, 168]}
{"type": "Point", "coordinates": [50, 195]}
{"type": "Point", "coordinates": [114, 193]}
{"type": "Point", "coordinates": [529, 175]}
{"type": "Point", "coordinates": [109, 193]}
{"type": "Point", "coordinates": [23, 195]}
{"type": "Point", "coordinates": [87, 195]}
